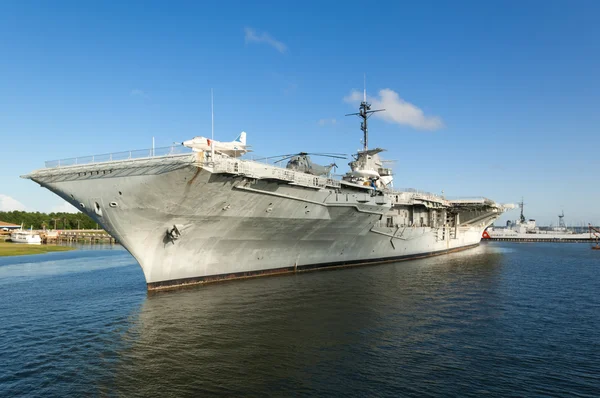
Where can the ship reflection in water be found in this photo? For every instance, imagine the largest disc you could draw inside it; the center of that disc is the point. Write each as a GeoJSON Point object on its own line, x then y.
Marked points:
{"type": "Point", "coordinates": [313, 332]}
{"type": "Point", "coordinates": [445, 325]}
{"type": "Point", "coordinates": [497, 319]}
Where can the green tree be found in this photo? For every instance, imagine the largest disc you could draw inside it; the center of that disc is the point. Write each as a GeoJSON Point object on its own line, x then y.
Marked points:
{"type": "Point", "coordinates": [38, 220]}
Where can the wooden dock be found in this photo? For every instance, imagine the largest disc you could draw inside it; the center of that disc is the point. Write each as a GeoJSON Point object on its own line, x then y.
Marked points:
{"type": "Point", "coordinates": [77, 235]}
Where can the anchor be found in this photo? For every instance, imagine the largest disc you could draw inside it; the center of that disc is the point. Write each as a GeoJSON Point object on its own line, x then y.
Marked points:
{"type": "Point", "coordinates": [173, 234]}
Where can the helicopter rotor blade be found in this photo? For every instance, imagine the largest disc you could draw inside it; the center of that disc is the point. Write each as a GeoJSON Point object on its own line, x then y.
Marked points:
{"type": "Point", "coordinates": [330, 155]}
{"type": "Point", "coordinates": [285, 158]}
{"type": "Point", "coordinates": [281, 156]}
{"type": "Point", "coordinates": [291, 155]}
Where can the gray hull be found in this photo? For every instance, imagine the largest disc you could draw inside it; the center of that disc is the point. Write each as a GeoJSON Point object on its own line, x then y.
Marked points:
{"type": "Point", "coordinates": [188, 222]}
{"type": "Point", "coordinates": [542, 236]}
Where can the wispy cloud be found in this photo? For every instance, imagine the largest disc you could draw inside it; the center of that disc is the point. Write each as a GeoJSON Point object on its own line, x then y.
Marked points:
{"type": "Point", "coordinates": [65, 207]}
{"type": "Point", "coordinates": [136, 92]}
{"type": "Point", "coordinates": [327, 122]}
{"type": "Point", "coordinates": [397, 110]}
{"type": "Point", "coordinates": [10, 204]}
{"type": "Point", "coordinates": [252, 36]}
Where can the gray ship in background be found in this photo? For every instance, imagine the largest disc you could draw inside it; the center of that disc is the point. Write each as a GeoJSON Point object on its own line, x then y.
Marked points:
{"type": "Point", "coordinates": [207, 211]}
{"type": "Point", "coordinates": [527, 230]}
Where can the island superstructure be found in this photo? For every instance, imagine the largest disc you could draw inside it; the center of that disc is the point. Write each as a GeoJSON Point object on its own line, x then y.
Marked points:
{"type": "Point", "coordinates": [193, 214]}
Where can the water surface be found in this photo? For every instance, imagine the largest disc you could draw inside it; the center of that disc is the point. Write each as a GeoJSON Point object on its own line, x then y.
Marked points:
{"type": "Point", "coordinates": [501, 319]}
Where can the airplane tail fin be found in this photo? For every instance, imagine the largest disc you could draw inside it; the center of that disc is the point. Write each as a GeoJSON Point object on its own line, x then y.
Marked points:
{"type": "Point", "coordinates": [242, 138]}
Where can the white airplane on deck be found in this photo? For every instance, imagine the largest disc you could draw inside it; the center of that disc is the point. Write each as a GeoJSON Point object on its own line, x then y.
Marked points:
{"type": "Point", "coordinates": [233, 148]}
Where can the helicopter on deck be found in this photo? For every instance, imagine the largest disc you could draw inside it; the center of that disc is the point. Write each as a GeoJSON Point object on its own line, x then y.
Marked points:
{"type": "Point", "coordinates": [301, 162]}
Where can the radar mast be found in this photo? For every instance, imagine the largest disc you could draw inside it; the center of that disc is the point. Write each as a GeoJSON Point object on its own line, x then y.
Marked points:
{"type": "Point", "coordinates": [365, 113]}
{"type": "Point", "coordinates": [561, 220]}
{"type": "Point", "coordinates": [522, 205]}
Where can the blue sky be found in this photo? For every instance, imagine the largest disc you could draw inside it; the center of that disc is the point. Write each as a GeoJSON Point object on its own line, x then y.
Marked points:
{"type": "Point", "coordinates": [497, 98]}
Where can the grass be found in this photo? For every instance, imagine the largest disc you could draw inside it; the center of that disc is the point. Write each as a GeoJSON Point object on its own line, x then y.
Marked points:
{"type": "Point", "coordinates": [20, 249]}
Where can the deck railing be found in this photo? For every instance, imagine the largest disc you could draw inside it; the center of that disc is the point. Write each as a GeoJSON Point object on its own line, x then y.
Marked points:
{"type": "Point", "coordinates": [469, 200]}
{"type": "Point", "coordinates": [149, 153]}
{"type": "Point", "coordinates": [126, 155]}
{"type": "Point", "coordinates": [273, 161]}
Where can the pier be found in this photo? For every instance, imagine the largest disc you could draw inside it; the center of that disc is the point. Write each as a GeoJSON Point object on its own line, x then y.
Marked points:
{"type": "Point", "coordinates": [91, 236]}
{"type": "Point", "coordinates": [552, 240]}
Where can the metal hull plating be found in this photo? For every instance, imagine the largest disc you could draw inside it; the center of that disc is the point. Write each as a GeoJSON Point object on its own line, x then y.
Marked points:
{"type": "Point", "coordinates": [232, 225]}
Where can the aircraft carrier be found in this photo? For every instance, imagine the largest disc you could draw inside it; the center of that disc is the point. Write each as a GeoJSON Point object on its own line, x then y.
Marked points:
{"type": "Point", "coordinates": [195, 213]}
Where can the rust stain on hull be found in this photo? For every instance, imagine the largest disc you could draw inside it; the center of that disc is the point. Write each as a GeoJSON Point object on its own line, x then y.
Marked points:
{"type": "Point", "coordinates": [191, 181]}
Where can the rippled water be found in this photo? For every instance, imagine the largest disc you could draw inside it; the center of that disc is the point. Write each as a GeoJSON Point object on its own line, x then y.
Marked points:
{"type": "Point", "coordinates": [501, 319]}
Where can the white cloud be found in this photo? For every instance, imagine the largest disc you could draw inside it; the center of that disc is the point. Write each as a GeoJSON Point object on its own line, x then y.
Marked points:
{"type": "Point", "coordinates": [325, 122]}
{"type": "Point", "coordinates": [9, 204]}
{"type": "Point", "coordinates": [136, 92]}
{"type": "Point", "coordinates": [65, 207]}
{"type": "Point", "coordinates": [397, 110]}
{"type": "Point", "coordinates": [252, 36]}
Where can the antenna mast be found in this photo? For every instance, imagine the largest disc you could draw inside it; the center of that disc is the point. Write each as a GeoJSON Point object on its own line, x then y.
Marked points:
{"type": "Point", "coordinates": [365, 88]}
{"type": "Point", "coordinates": [365, 113]}
{"type": "Point", "coordinates": [522, 205]}
{"type": "Point", "coordinates": [212, 127]}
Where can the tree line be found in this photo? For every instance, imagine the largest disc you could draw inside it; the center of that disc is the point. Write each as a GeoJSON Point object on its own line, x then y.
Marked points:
{"type": "Point", "coordinates": [39, 220]}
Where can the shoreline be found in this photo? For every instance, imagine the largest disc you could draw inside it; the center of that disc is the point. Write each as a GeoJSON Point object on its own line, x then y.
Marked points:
{"type": "Point", "coordinates": [9, 249]}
